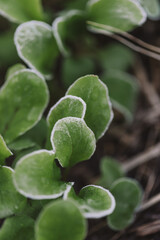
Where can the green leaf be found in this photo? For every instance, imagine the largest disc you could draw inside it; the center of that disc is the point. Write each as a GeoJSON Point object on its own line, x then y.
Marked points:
{"type": "Point", "coordinates": [21, 10]}
{"type": "Point", "coordinates": [152, 8]}
{"type": "Point", "coordinates": [111, 170]}
{"type": "Point", "coordinates": [23, 99]}
{"type": "Point", "coordinates": [124, 15]}
{"type": "Point", "coordinates": [4, 151]}
{"type": "Point", "coordinates": [8, 54]}
{"type": "Point", "coordinates": [61, 220]}
{"type": "Point", "coordinates": [94, 201]}
{"type": "Point", "coordinates": [128, 195]}
{"type": "Point", "coordinates": [36, 46]}
{"type": "Point", "coordinates": [14, 69]}
{"type": "Point", "coordinates": [63, 28]}
{"type": "Point", "coordinates": [72, 141]}
{"type": "Point", "coordinates": [11, 201]}
{"type": "Point", "coordinates": [21, 143]}
{"type": "Point", "coordinates": [17, 228]}
{"type": "Point", "coordinates": [76, 4]}
{"type": "Point", "coordinates": [68, 106]}
{"type": "Point", "coordinates": [95, 94]}
{"type": "Point", "coordinates": [116, 56]}
{"type": "Point", "coordinates": [123, 92]}
{"type": "Point", "coordinates": [73, 68]}
{"type": "Point", "coordinates": [38, 177]}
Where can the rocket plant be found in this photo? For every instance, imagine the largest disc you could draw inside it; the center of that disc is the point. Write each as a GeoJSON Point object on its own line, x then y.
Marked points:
{"type": "Point", "coordinates": [37, 201]}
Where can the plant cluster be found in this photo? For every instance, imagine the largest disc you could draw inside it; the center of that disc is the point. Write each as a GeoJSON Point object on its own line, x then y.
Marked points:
{"type": "Point", "coordinates": [36, 199]}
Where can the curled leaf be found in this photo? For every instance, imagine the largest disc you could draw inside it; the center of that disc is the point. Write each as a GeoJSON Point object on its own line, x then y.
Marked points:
{"type": "Point", "coordinates": [38, 177]}
{"type": "Point", "coordinates": [94, 201]}
{"type": "Point", "coordinates": [72, 141]}
{"type": "Point", "coordinates": [23, 98]}
{"type": "Point", "coordinates": [95, 94]}
{"type": "Point", "coordinates": [36, 46]}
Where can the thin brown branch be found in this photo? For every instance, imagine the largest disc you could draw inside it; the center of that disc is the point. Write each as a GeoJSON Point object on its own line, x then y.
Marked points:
{"type": "Point", "coordinates": [151, 202]}
{"type": "Point", "coordinates": [142, 158]}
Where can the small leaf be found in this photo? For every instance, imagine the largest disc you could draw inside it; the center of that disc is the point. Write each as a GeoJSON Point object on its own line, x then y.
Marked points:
{"type": "Point", "coordinates": [21, 10]}
{"type": "Point", "coordinates": [17, 228]}
{"type": "Point", "coordinates": [111, 170]}
{"type": "Point", "coordinates": [152, 8]}
{"type": "Point", "coordinates": [73, 68]}
{"type": "Point", "coordinates": [63, 28]}
{"type": "Point", "coordinates": [23, 99]}
{"type": "Point", "coordinates": [21, 143]}
{"type": "Point", "coordinates": [61, 220]}
{"type": "Point", "coordinates": [124, 15]}
{"type": "Point", "coordinates": [34, 39]}
{"type": "Point", "coordinates": [11, 201]}
{"type": "Point", "coordinates": [4, 151]}
{"type": "Point", "coordinates": [95, 94]}
{"type": "Point", "coordinates": [72, 141]}
{"type": "Point", "coordinates": [123, 92]}
{"type": "Point", "coordinates": [116, 56]}
{"type": "Point", "coordinates": [128, 195]}
{"type": "Point", "coordinates": [94, 201]}
{"type": "Point", "coordinates": [68, 106]}
{"type": "Point", "coordinates": [14, 69]}
{"type": "Point", "coordinates": [38, 177]}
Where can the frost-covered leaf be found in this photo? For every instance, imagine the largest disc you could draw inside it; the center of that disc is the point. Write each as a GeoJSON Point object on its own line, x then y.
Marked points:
{"type": "Point", "coordinates": [61, 220]}
{"type": "Point", "coordinates": [75, 67]}
{"type": "Point", "coordinates": [111, 170]}
{"type": "Point", "coordinates": [21, 10]}
{"type": "Point", "coordinates": [17, 228]}
{"type": "Point", "coordinates": [128, 195]}
{"type": "Point", "coordinates": [116, 56]}
{"type": "Point", "coordinates": [15, 68]}
{"type": "Point", "coordinates": [36, 46]}
{"type": "Point", "coordinates": [123, 15]}
{"type": "Point", "coordinates": [38, 177]}
{"type": "Point", "coordinates": [23, 99]}
{"type": "Point", "coordinates": [94, 201]}
{"type": "Point", "coordinates": [123, 90]}
{"type": "Point", "coordinates": [68, 106]}
{"type": "Point", "coordinates": [152, 7]}
{"type": "Point", "coordinates": [95, 94]}
{"type": "Point", "coordinates": [4, 151]}
{"type": "Point", "coordinates": [73, 141]}
{"type": "Point", "coordinates": [11, 201]}
{"type": "Point", "coordinates": [65, 27]}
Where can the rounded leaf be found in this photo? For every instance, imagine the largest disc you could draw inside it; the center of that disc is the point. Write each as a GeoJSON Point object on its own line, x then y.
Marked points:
{"type": "Point", "coordinates": [11, 201]}
{"type": "Point", "coordinates": [68, 106]}
{"type": "Point", "coordinates": [94, 201]}
{"type": "Point", "coordinates": [38, 177]}
{"type": "Point", "coordinates": [61, 220]}
{"type": "Point", "coordinates": [4, 151]}
{"type": "Point", "coordinates": [152, 8]}
{"type": "Point", "coordinates": [123, 92]}
{"type": "Point", "coordinates": [72, 141]}
{"type": "Point", "coordinates": [23, 99]}
{"type": "Point", "coordinates": [64, 27]}
{"type": "Point", "coordinates": [124, 15]}
{"type": "Point", "coordinates": [36, 46]}
{"type": "Point", "coordinates": [128, 195]}
{"type": "Point", "coordinates": [95, 94]}
{"type": "Point", "coordinates": [17, 228]}
{"type": "Point", "coordinates": [111, 170]}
